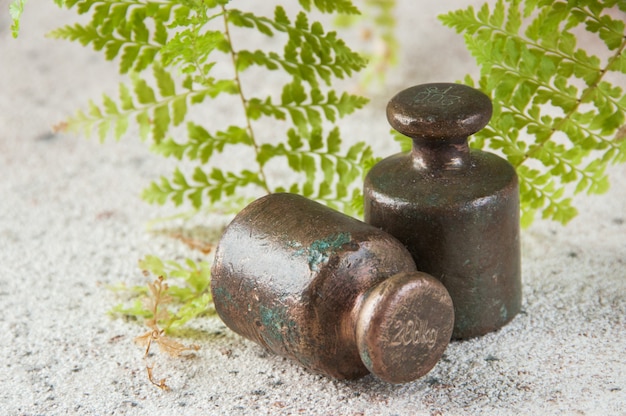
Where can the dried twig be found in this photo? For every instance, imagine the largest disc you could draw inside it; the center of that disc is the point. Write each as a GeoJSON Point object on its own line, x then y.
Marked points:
{"type": "Point", "coordinates": [159, 297]}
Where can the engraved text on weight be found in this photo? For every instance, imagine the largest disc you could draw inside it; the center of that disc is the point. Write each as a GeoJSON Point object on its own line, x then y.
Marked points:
{"type": "Point", "coordinates": [434, 95]}
{"type": "Point", "coordinates": [413, 332]}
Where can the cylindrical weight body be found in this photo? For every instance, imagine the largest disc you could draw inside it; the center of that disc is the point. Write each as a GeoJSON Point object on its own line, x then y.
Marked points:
{"type": "Point", "coordinates": [328, 291]}
{"type": "Point", "coordinates": [455, 209]}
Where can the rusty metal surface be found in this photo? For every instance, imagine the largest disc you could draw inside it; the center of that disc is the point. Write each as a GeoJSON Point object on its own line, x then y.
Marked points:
{"type": "Point", "coordinates": [298, 278]}
{"type": "Point", "coordinates": [456, 209]}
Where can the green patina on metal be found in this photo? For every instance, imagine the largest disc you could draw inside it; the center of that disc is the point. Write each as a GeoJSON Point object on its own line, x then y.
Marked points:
{"type": "Point", "coordinates": [320, 250]}
{"type": "Point", "coordinates": [279, 329]}
{"type": "Point", "coordinates": [366, 358]}
{"type": "Point", "coordinates": [222, 294]}
{"type": "Point", "coordinates": [271, 318]}
{"type": "Point", "coordinates": [504, 313]}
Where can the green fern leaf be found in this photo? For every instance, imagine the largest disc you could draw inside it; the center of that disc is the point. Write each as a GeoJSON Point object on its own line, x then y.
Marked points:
{"type": "Point", "coordinates": [202, 145]}
{"type": "Point", "coordinates": [529, 74]}
{"type": "Point", "coordinates": [213, 186]}
{"type": "Point", "coordinates": [121, 30]}
{"type": "Point", "coordinates": [330, 6]}
{"type": "Point", "coordinates": [188, 289]}
{"type": "Point", "coordinates": [309, 55]}
{"type": "Point", "coordinates": [16, 8]}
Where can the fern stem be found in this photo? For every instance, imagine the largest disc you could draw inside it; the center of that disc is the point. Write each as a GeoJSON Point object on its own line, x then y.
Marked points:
{"type": "Point", "coordinates": [588, 91]}
{"type": "Point", "coordinates": [244, 101]}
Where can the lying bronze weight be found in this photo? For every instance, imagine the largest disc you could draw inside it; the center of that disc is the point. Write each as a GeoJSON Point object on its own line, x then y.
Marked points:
{"type": "Point", "coordinates": [456, 209]}
{"type": "Point", "coordinates": [338, 296]}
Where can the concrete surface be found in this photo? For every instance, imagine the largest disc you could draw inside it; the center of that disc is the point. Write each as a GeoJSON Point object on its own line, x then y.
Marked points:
{"type": "Point", "coordinates": [72, 222]}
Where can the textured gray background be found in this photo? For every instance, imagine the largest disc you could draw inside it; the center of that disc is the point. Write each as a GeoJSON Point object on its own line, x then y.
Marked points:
{"type": "Point", "coordinates": [71, 223]}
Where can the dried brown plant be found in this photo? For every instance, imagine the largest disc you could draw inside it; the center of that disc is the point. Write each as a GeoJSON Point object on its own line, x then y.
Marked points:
{"type": "Point", "coordinates": [155, 302]}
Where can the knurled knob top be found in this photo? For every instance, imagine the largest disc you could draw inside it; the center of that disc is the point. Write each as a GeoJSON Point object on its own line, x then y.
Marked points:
{"type": "Point", "coordinates": [439, 110]}
{"type": "Point", "coordinates": [404, 325]}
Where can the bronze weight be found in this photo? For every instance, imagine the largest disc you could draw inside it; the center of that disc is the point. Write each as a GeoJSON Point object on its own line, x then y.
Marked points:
{"type": "Point", "coordinates": [339, 296]}
{"type": "Point", "coordinates": [455, 209]}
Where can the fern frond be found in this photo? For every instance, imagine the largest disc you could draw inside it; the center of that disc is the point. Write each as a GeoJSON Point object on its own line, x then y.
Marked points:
{"type": "Point", "coordinates": [121, 29]}
{"type": "Point", "coordinates": [189, 50]}
{"type": "Point", "coordinates": [310, 53]}
{"type": "Point", "coordinates": [545, 86]}
{"type": "Point", "coordinates": [202, 145]}
{"type": "Point", "coordinates": [330, 6]}
{"type": "Point", "coordinates": [329, 172]}
{"type": "Point", "coordinates": [187, 290]}
{"type": "Point", "coordinates": [182, 46]}
{"type": "Point", "coordinates": [305, 111]}
{"type": "Point", "coordinates": [377, 25]}
{"type": "Point", "coordinates": [200, 187]}
{"type": "Point", "coordinates": [154, 108]}
{"type": "Point", "coordinates": [16, 8]}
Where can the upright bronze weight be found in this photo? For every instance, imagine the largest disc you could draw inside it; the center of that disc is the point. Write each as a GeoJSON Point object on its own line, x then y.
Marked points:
{"type": "Point", "coordinates": [456, 209]}
{"type": "Point", "coordinates": [339, 296]}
